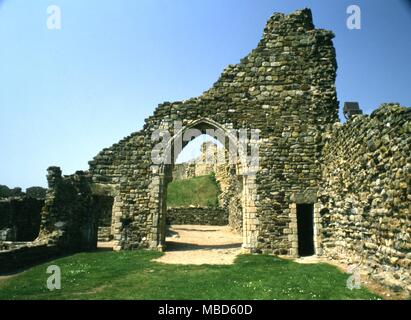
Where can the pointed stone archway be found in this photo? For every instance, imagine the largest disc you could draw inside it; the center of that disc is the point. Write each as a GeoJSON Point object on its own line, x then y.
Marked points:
{"type": "Point", "coordinates": [162, 176]}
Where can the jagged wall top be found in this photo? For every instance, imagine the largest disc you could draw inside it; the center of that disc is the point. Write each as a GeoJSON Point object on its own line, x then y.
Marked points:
{"type": "Point", "coordinates": [291, 74]}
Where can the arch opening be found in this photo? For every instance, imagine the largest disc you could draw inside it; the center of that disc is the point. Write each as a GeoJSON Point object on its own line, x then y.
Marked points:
{"type": "Point", "coordinates": [208, 215]}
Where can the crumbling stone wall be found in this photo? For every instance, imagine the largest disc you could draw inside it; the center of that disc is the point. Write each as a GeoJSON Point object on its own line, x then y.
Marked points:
{"type": "Point", "coordinates": [69, 219]}
{"type": "Point", "coordinates": [355, 176]}
{"type": "Point", "coordinates": [197, 215]}
{"type": "Point", "coordinates": [285, 90]}
{"type": "Point", "coordinates": [232, 199]}
{"type": "Point", "coordinates": [23, 255]}
{"type": "Point", "coordinates": [20, 219]}
{"type": "Point", "coordinates": [365, 194]}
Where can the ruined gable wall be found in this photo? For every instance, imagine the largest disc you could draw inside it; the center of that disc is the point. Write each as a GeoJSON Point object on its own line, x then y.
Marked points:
{"type": "Point", "coordinates": [284, 88]}
{"type": "Point", "coordinates": [365, 194]}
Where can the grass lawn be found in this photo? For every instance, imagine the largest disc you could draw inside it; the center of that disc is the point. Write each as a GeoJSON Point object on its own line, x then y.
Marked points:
{"type": "Point", "coordinates": [131, 275]}
{"type": "Point", "coordinates": [198, 191]}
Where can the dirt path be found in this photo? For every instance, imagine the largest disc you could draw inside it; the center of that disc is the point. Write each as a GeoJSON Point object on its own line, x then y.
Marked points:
{"type": "Point", "coordinates": [194, 244]}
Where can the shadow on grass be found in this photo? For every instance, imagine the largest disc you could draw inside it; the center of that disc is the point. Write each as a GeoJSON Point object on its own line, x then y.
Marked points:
{"type": "Point", "coordinates": [40, 261]}
{"type": "Point", "coordinates": [133, 275]}
{"type": "Point", "coordinates": [182, 246]}
{"type": "Point", "coordinates": [196, 230]}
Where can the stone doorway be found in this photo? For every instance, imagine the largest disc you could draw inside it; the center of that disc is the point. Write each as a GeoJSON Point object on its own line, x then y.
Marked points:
{"type": "Point", "coordinates": [103, 206]}
{"type": "Point", "coordinates": [200, 199]}
{"type": "Point", "coordinates": [243, 194]}
{"type": "Point", "coordinates": [305, 229]}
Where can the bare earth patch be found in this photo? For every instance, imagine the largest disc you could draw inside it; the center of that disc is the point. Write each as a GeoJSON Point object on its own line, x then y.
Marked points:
{"type": "Point", "coordinates": [194, 244]}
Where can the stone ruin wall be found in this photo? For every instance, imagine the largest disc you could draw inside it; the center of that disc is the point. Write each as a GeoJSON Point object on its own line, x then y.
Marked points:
{"type": "Point", "coordinates": [69, 216]}
{"type": "Point", "coordinates": [211, 160]}
{"type": "Point", "coordinates": [365, 208]}
{"type": "Point", "coordinates": [197, 215]}
{"type": "Point", "coordinates": [20, 218]}
{"type": "Point", "coordinates": [285, 89]}
{"type": "Point", "coordinates": [68, 223]}
{"type": "Point", "coordinates": [356, 174]}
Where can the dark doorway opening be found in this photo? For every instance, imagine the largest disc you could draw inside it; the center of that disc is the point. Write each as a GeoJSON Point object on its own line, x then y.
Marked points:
{"type": "Point", "coordinates": [305, 227]}
{"type": "Point", "coordinates": [103, 206]}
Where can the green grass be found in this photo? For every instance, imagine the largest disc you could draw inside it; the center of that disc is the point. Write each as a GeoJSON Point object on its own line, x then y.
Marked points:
{"type": "Point", "coordinates": [132, 275]}
{"type": "Point", "coordinates": [198, 191]}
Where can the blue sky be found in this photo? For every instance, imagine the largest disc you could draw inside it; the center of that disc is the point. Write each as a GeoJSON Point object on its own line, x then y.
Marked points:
{"type": "Point", "coordinates": [66, 94]}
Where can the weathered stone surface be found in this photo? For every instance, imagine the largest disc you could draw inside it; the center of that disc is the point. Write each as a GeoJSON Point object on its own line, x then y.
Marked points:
{"type": "Point", "coordinates": [18, 256]}
{"type": "Point", "coordinates": [20, 218]}
{"type": "Point", "coordinates": [198, 216]}
{"type": "Point", "coordinates": [356, 176]}
{"type": "Point", "coordinates": [365, 193]}
{"type": "Point", "coordinates": [69, 219]}
{"type": "Point", "coordinates": [285, 89]}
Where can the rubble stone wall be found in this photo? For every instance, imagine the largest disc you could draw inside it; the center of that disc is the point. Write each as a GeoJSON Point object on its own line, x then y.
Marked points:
{"type": "Point", "coordinates": [20, 219]}
{"type": "Point", "coordinates": [356, 175]}
{"type": "Point", "coordinates": [26, 255]}
{"type": "Point", "coordinates": [285, 90]}
{"type": "Point", "coordinates": [197, 215]}
{"type": "Point", "coordinates": [69, 218]}
{"type": "Point", "coordinates": [365, 194]}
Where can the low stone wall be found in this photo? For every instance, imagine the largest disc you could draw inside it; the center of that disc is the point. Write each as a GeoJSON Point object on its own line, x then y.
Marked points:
{"type": "Point", "coordinates": [201, 216]}
{"type": "Point", "coordinates": [23, 255]}
{"type": "Point", "coordinates": [20, 219]}
{"type": "Point", "coordinates": [67, 223]}
{"type": "Point", "coordinates": [365, 195]}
